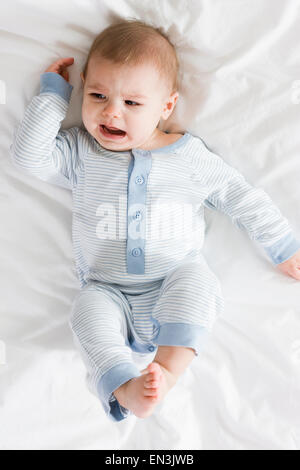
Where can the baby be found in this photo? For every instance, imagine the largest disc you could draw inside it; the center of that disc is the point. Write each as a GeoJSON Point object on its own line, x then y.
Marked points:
{"type": "Point", "coordinates": [138, 214]}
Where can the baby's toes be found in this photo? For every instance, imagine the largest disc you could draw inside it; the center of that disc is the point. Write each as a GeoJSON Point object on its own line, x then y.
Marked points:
{"type": "Point", "coordinates": [150, 392]}
{"type": "Point", "coordinates": [154, 372]}
{"type": "Point", "coordinates": [151, 384]}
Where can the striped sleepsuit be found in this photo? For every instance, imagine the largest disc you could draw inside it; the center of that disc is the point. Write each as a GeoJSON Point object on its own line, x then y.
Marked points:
{"type": "Point", "coordinates": [138, 229]}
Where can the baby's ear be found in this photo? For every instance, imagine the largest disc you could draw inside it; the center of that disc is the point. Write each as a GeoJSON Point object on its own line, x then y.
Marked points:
{"type": "Point", "coordinates": [82, 81]}
{"type": "Point", "coordinates": [174, 96]}
{"type": "Point", "coordinates": [170, 105]}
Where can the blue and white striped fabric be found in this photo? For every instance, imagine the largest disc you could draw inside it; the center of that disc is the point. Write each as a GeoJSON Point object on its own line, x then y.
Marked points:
{"type": "Point", "coordinates": [138, 230]}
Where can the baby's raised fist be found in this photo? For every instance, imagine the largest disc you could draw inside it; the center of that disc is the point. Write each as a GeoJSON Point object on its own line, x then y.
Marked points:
{"type": "Point", "coordinates": [60, 67]}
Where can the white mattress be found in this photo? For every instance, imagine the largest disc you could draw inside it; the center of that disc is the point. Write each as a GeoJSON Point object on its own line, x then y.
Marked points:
{"type": "Point", "coordinates": [240, 92]}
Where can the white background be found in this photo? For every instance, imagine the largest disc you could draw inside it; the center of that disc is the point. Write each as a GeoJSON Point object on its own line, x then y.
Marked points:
{"type": "Point", "coordinates": [240, 72]}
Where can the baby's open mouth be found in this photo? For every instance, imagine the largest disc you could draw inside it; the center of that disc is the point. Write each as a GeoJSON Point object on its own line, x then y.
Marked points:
{"type": "Point", "coordinates": [112, 130]}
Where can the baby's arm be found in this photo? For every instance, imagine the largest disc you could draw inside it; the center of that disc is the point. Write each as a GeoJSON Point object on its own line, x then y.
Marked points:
{"type": "Point", "coordinates": [39, 147]}
{"type": "Point", "coordinates": [250, 208]}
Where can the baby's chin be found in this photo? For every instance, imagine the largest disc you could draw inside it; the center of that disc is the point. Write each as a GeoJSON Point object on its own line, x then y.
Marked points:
{"type": "Point", "coordinates": [114, 147]}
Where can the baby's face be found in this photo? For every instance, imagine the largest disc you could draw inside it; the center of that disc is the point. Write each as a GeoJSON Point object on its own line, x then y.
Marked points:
{"type": "Point", "coordinates": [130, 99]}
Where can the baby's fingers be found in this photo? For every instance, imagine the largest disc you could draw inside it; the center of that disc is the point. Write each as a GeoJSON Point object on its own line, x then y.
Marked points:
{"type": "Point", "coordinates": [291, 269]}
{"type": "Point", "coordinates": [295, 273]}
{"type": "Point", "coordinates": [65, 75]}
{"type": "Point", "coordinates": [60, 65]}
{"type": "Point", "coordinates": [65, 61]}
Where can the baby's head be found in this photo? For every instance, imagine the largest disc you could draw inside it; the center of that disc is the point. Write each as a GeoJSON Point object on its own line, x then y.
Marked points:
{"type": "Point", "coordinates": [129, 83]}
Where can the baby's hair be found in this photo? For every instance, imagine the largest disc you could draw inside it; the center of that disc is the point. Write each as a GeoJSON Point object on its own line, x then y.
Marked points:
{"type": "Point", "coordinates": [134, 42]}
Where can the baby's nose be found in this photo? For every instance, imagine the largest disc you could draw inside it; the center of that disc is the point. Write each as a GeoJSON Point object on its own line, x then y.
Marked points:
{"type": "Point", "coordinates": [112, 110]}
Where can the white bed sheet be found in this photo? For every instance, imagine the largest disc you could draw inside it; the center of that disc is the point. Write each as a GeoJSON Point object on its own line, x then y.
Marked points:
{"type": "Point", "coordinates": [239, 92]}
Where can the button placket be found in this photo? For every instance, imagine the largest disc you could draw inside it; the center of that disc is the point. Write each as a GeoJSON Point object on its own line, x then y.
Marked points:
{"type": "Point", "coordinates": [137, 191]}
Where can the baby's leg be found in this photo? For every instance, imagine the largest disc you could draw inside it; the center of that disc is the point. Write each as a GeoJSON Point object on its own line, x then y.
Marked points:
{"type": "Point", "coordinates": [189, 301]}
{"type": "Point", "coordinates": [173, 360]}
{"type": "Point", "coordinates": [99, 329]}
{"type": "Point", "coordinates": [142, 394]}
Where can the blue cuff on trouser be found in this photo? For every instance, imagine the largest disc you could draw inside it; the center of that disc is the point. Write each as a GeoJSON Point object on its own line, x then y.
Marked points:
{"type": "Point", "coordinates": [182, 334]}
{"type": "Point", "coordinates": [109, 382]}
{"type": "Point", "coordinates": [169, 334]}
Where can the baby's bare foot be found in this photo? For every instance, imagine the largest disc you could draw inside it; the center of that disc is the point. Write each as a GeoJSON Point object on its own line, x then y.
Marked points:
{"type": "Point", "coordinates": [141, 394]}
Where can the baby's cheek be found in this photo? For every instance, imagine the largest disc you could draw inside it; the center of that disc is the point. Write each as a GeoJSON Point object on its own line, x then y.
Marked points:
{"type": "Point", "coordinates": [83, 113]}
{"type": "Point", "coordinates": [87, 116]}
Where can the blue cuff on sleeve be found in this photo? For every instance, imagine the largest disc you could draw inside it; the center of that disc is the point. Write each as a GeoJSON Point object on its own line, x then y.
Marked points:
{"type": "Point", "coordinates": [283, 249]}
{"type": "Point", "coordinates": [51, 82]}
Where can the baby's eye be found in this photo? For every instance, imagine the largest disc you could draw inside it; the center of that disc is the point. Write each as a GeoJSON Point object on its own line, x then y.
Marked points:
{"type": "Point", "coordinates": [134, 103]}
{"type": "Point", "coordinates": [101, 97]}
{"type": "Point", "coordinates": [96, 94]}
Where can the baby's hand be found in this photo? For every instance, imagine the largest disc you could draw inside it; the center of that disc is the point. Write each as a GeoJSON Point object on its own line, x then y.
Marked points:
{"type": "Point", "coordinates": [291, 267]}
{"type": "Point", "coordinates": [60, 67]}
